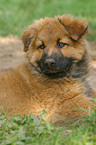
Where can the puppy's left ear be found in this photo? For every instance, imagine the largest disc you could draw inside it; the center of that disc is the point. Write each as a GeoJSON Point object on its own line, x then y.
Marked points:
{"type": "Point", "coordinates": [76, 28]}
{"type": "Point", "coordinates": [28, 36]}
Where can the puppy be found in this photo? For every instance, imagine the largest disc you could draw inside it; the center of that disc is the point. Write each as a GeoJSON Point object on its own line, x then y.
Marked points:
{"type": "Point", "coordinates": [56, 75]}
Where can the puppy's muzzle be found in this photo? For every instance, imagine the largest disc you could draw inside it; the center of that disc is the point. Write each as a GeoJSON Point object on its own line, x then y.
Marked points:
{"type": "Point", "coordinates": [55, 64]}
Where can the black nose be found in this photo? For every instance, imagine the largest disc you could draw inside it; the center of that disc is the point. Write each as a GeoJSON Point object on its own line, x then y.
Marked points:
{"type": "Point", "coordinates": [50, 62]}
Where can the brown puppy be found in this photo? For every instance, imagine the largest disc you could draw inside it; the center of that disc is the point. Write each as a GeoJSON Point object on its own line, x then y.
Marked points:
{"type": "Point", "coordinates": [56, 74]}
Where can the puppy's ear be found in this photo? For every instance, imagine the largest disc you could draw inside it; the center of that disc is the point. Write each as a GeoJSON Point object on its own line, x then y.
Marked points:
{"type": "Point", "coordinates": [28, 36]}
{"type": "Point", "coordinates": [75, 28]}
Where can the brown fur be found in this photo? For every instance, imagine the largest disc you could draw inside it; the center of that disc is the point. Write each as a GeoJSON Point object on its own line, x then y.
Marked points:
{"type": "Point", "coordinates": [23, 89]}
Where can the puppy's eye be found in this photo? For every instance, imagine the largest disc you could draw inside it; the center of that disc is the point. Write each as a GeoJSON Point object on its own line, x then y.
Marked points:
{"type": "Point", "coordinates": [61, 44]}
{"type": "Point", "coordinates": [42, 46]}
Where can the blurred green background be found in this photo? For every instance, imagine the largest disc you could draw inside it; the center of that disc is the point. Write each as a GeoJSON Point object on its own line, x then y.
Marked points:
{"type": "Point", "coordinates": [16, 15]}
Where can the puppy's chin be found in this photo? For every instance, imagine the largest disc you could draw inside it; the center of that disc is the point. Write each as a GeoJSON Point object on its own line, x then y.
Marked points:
{"type": "Point", "coordinates": [55, 73]}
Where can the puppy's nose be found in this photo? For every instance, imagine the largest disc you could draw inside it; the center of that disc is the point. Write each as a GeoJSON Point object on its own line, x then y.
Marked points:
{"type": "Point", "coordinates": [50, 62]}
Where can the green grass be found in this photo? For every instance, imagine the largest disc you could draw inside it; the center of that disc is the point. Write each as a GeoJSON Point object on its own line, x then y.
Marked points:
{"type": "Point", "coordinates": [15, 15]}
{"type": "Point", "coordinates": [34, 130]}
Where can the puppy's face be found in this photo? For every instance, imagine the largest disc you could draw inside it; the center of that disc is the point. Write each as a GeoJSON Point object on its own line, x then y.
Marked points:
{"type": "Point", "coordinates": [54, 46]}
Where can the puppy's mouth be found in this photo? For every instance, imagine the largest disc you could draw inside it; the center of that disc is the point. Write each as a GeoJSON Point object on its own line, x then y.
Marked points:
{"type": "Point", "coordinates": [57, 69]}
{"type": "Point", "coordinates": [56, 73]}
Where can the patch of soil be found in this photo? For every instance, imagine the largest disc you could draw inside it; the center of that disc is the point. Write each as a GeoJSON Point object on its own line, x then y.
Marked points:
{"type": "Point", "coordinates": [11, 52]}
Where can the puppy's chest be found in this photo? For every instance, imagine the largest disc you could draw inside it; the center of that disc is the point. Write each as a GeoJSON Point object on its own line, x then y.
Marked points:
{"type": "Point", "coordinates": [50, 90]}
{"type": "Point", "coordinates": [51, 95]}
{"type": "Point", "coordinates": [55, 91]}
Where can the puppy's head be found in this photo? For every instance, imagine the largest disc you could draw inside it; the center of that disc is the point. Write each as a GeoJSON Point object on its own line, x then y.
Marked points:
{"type": "Point", "coordinates": [55, 45]}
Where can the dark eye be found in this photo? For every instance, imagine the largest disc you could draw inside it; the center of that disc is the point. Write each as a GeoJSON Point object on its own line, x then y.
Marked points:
{"type": "Point", "coordinates": [61, 44]}
{"type": "Point", "coordinates": [42, 46]}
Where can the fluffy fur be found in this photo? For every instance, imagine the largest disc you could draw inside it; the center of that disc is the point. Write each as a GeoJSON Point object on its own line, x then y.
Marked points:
{"type": "Point", "coordinates": [59, 86]}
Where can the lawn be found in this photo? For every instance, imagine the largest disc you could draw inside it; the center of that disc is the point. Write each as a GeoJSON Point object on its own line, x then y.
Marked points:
{"type": "Point", "coordinates": [15, 16]}
{"type": "Point", "coordinates": [34, 130]}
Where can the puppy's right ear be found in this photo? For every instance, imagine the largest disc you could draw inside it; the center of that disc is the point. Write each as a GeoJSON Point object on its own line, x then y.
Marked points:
{"type": "Point", "coordinates": [28, 36]}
